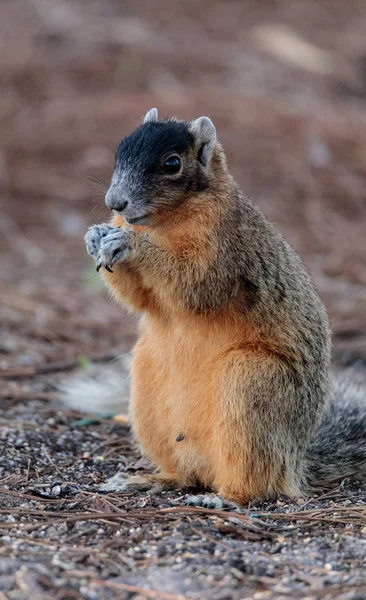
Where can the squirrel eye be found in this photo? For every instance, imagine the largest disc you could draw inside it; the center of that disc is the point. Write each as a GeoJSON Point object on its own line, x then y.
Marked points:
{"type": "Point", "coordinates": [172, 165]}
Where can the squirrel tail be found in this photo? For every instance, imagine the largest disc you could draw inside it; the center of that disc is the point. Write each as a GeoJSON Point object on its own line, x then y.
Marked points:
{"type": "Point", "coordinates": [101, 389]}
{"type": "Point", "coordinates": [338, 450]}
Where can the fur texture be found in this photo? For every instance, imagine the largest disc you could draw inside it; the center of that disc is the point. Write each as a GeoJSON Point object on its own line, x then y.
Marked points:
{"type": "Point", "coordinates": [338, 449]}
{"type": "Point", "coordinates": [233, 355]}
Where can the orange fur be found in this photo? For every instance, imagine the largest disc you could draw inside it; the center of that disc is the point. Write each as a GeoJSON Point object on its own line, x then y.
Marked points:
{"type": "Point", "coordinates": [174, 392]}
{"type": "Point", "coordinates": [185, 387]}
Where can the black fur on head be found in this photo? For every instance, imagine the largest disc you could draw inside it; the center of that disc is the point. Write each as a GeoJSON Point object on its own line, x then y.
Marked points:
{"type": "Point", "coordinates": [159, 165]}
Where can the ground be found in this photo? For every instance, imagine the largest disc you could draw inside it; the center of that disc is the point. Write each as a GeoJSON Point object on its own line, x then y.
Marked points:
{"type": "Point", "coordinates": [75, 77]}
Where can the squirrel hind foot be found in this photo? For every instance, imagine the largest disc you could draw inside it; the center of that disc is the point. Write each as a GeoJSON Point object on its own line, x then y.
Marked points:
{"type": "Point", "coordinates": [213, 501]}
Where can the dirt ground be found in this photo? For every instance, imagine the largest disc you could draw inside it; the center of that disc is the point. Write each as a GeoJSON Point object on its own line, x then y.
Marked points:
{"type": "Point", "coordinates": [285, 83]}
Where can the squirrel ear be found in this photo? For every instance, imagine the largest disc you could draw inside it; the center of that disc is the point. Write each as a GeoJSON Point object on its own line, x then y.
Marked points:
{"type": "Point", "coordinates": [151, 116]}
{"type": "Point", "coordinates": [205, 133]}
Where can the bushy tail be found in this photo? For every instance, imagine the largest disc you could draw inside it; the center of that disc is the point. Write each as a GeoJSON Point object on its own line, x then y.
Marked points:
{"type": "Point", "coordinates": [101, 389]}
{"type": "Point", "coordinates": [338, 449]}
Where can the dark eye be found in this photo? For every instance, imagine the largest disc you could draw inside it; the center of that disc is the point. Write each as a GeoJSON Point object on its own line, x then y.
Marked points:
{"type": "Point", "coordinates": [172, 165]}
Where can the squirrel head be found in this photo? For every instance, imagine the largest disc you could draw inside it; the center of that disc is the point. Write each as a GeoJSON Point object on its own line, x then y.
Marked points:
{"type": "Point", "coordinates": [161, 165]}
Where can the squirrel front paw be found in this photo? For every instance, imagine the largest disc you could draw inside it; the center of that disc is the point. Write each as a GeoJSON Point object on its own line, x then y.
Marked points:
{"type": "Point", "coordinates": [117, 245]}
{"type": "Point", "coordinates": [94, 236]}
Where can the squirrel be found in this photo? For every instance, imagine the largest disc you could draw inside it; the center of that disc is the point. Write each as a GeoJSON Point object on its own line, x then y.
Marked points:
{"type": "Point", "coordinates": [231, 372]}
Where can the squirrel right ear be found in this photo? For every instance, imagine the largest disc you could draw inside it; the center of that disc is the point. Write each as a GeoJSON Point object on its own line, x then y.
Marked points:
{"type": "Point", "coordinates": [151, 116]}
{"type": "Point", "coordinates": [205, 133]}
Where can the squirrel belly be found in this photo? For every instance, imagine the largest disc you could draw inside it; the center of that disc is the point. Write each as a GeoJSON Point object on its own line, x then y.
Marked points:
{"type": "Point", "coordinates": [231, 383]}
{"type": "Point", "coordinates": [201, 385]}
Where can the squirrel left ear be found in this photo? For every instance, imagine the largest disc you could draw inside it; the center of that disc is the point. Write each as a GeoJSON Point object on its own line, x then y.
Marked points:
{"type": "Point", "coordinates": [151, 116]}
{"type": "Point", "coordinates": [205, 133]}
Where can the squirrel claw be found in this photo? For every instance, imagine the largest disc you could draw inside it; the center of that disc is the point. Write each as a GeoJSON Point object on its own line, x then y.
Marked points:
{"type": "Point", "coordinates": [107, 268]}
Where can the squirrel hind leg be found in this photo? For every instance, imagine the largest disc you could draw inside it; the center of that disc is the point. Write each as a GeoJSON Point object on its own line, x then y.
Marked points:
{"type": "Point", "coordinates": [261, 427]}
{"type": "Point", "coordinates": [122, 482]}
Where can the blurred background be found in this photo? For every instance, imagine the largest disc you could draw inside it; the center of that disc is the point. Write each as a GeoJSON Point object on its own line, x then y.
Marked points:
{"type": "Point", "coordinates": [284, 82]}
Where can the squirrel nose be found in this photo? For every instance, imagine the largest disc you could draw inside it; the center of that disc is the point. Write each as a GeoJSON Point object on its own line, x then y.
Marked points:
{"type": "Point", "coordinates": [115, 201]}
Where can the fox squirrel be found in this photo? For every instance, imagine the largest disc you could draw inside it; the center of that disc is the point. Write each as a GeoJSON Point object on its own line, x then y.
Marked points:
{"type": "Point", "coordinates": [231, 385]}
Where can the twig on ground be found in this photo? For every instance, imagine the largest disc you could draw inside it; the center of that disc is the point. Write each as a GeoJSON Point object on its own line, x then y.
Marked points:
{"type": "Point", "coordinates": [136, 589]}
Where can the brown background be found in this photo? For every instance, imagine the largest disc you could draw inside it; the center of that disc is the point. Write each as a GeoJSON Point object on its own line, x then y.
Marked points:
{"type": "Point", "coordinates": [77, 76]}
